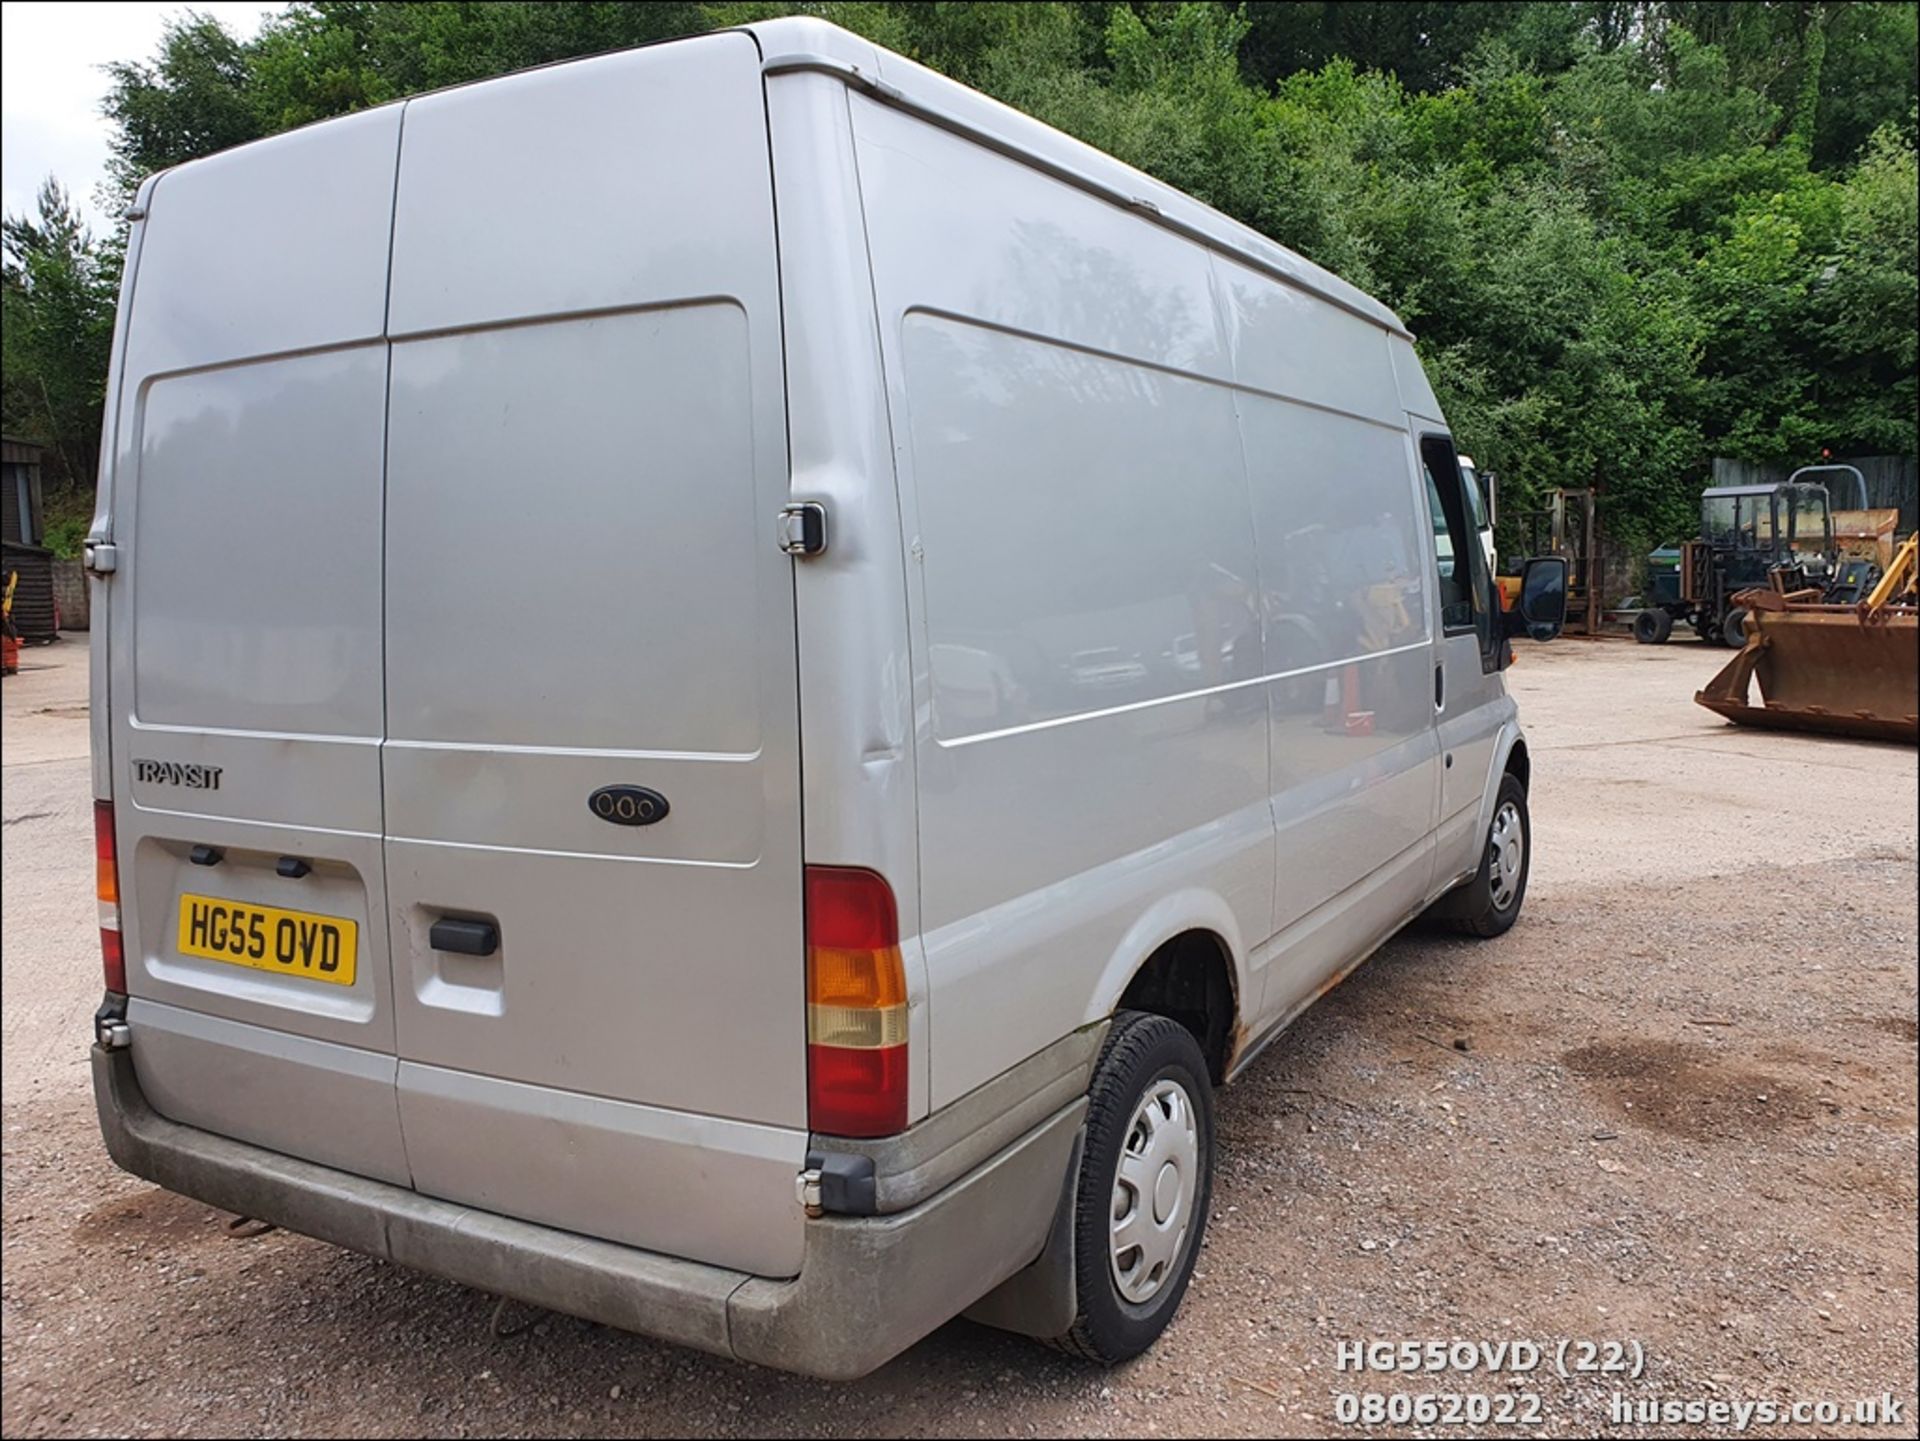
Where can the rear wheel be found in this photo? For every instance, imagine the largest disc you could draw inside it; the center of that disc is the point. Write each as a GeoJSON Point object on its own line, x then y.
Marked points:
{"type": "Point", "coordinates": [1652, 626]}
{"type": "Point", "coordinates": [1733, 628]}
{"type": "Point", "coordinates": [1146, 1183]}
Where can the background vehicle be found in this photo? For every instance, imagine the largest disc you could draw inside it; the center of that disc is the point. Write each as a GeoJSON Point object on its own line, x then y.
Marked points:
{"type": "Point", "coordinates": [1778, 536]}
{"type": "Point", "coordinates": [583, 988]}
{"type": "Point", "coordinates": [1482, 495]}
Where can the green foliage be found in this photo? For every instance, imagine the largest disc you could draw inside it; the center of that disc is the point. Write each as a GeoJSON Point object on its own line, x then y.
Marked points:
{"type": "Point", "coordinates": [325, 58]}
{"type": "Point", "coordinates": [57, 289]}
{"type": "Point", "coordinates": [190, 100]}
{"type": "Point", "coordinates": [1630, 234]}
{"type": "Point", "coordinates": [66, 538]}
{"type": "Point", "coordinates": [1836, 71]}
{"type": "Point", "coordinates": [1868, 295]}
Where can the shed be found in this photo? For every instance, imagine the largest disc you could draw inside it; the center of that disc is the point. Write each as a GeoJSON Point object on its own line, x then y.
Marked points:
{"type": "Point", "coordinates": [20, 517]}
{"type": "Point", "coordinates": [21, 533]}
{"type": "Point", "coordinates": [34, 616]}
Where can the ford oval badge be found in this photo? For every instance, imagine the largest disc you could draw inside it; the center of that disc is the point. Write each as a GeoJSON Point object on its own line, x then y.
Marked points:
{"type": "Point", "coordinates": [628, 805]}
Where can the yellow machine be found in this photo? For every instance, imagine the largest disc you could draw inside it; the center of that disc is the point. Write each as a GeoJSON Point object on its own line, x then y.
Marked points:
{"type": "Point", "coordinates": [9, 642]}
{"type": "Point", "coordinates": [1849, 670]}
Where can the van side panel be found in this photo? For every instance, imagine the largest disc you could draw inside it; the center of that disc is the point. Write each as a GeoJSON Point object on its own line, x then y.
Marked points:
{"type": "Point", "coordinates": [1286, 343]}
{"type": "Point", "coordinates": [585, 467]}
{"type": "Point", "coordinates": [1083, 577]}
{"type": "Point", "coordinates": [1410, 379]}
{"type": "Point", "coordinates": [1349, 650]}
{"type": "Point", "coordinates": [245, 624]}
{"type": "Point", "coordinates": [1344, 552]}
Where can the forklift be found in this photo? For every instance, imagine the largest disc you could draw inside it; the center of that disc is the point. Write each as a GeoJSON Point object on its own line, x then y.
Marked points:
{"type": "Point", "coordinates": [1567, 525]}
{"type": "Point", "coordinates": [1777, 537]}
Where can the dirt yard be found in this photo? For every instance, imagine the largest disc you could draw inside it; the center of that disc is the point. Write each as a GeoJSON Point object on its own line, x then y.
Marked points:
{"type": "Point", "coordinates": [1674, 1107]}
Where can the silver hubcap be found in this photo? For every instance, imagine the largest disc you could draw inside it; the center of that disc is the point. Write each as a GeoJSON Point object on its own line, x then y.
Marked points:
{"type": "Point", "coordinates": [1506, 854]}
{"type": "Point", "coordinates": [1153, 1191]}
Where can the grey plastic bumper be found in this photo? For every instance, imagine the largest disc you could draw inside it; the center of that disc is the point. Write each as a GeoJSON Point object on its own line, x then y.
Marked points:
{"type": "Point", "coordinates": [869, 1287]}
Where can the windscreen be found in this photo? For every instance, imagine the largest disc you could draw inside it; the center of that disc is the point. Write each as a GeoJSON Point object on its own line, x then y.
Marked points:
{"type": "Point", "coordinates": [1717, 519]}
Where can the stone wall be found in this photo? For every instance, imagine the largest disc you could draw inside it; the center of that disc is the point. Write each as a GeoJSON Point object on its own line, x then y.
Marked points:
{"type": "Point", "coordinates": [70, 594]}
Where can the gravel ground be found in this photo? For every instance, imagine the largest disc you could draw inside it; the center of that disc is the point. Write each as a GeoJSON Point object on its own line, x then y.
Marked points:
{"type": "Point", "coordinates": [1675, 1106]}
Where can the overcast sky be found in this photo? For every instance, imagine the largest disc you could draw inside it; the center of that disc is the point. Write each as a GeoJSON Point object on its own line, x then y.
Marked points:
{"type": "Point", "coordinates": [51, 84]}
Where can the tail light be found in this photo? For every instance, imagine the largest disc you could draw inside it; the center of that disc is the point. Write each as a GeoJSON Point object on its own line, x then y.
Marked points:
{"type": "Point", "coordinates": [106, 872]}
{"type": "Point", "coordinates": [856, 1005]}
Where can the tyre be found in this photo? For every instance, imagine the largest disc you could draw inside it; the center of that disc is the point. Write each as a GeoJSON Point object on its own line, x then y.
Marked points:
{"type": "Point", "coordinates": [1733, 628]}
{"type": "Point", "coordinates": [1146, 1186]}
{"type": "Point", "coordinates": [1652, 627]}
{"type": "Point", "coordinates": [1489, 904]}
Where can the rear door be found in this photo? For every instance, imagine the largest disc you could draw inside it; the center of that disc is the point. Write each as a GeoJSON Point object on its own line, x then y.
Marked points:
{"type": "Point", "coordinates": [245, 666]}
{"type": "Point", "coordinates": [585, 462]}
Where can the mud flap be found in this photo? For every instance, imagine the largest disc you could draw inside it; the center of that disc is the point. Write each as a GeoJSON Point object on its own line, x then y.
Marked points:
{"type": "Point", "coordinates": [1042, 1300]}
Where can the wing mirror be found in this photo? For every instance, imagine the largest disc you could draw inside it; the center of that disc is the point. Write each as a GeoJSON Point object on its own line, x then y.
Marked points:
{"type": "Point", "coordinates": [1541, 610]}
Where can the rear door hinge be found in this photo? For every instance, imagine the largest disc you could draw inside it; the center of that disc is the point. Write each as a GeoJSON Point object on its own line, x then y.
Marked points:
{"type": "Point", "coordinates": [103, 558]}
{"type": "Point", "coordinates": [835, 1183]}
{"type": "Point", "coordinates": [803, 528]}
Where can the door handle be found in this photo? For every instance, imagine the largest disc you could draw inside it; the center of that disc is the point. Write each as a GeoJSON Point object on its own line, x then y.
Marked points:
{"type": "Point", "coordinates": [1440, 687]}
{"type": "Point", "coordinates": [469, 938]}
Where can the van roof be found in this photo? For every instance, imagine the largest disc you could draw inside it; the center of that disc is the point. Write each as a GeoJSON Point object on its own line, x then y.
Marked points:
{"type": "Point", "coordinates": [800, 42]}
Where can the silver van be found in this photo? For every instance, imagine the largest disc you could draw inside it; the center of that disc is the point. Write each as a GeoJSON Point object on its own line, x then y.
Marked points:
{"type": "Point", "coordinates": [730, 679]}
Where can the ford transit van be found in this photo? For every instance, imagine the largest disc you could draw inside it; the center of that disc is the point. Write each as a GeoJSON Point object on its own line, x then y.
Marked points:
{"type": "Point", "coordinates": [729, 680]}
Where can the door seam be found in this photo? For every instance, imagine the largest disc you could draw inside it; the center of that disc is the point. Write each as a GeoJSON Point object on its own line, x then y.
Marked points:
{"type": "Point", "coordinates": [386, 725]}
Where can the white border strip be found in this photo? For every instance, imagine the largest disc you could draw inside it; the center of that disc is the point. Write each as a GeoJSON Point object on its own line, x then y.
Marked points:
{"type": "Point", "coordinates": [1065, 720]}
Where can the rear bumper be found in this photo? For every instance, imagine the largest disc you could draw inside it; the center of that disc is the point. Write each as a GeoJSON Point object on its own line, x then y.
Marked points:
{"type": "Point", "coordinates": [868, 1288]}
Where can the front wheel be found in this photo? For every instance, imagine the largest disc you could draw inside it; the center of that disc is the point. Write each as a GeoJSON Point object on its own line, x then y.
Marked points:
{"type": "Point", "coordinates": [1489, 904]}
{"type": "Point", "coordinates": [1146, 1183]}
{"type": "Point", "coordinates": [1733, 628]}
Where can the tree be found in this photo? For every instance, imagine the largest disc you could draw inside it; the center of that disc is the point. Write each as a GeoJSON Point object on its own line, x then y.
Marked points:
{"type": "Point", "coordinates": [1420, 42]}
{"type": "Point", "coordinates": [57, 287]}
{"type": "Point", "coordinates": [327, 58]}
{"type": "Point", "coordinates": [1866, 297]}
{"type": "Point", "coordinates": [190, 100]}
{"type": "Point", "coordinates": [1837, 70]}
{"type": "Point", "coordinates": [1629, 234]}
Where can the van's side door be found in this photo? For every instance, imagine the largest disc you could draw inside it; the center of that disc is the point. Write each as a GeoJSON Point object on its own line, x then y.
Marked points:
{"type": "Point", "coordinates": [1351, 746]}
{"type": "Point", "coordinates": [1469, 697]}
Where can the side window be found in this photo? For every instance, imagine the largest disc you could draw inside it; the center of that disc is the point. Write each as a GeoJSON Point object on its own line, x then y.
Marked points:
{"type": "Point", "coordinates": [1468, 602]}
{"type": "Point", "coordinates": [1454, 539]}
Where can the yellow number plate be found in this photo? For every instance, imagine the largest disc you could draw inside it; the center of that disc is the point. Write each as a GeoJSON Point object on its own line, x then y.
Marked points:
{"type": "Point", "coordinates": [288, 943]}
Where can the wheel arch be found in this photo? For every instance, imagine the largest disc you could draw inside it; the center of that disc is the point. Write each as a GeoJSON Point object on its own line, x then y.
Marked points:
{"type": "Point", "coordinates": [1519, 762]}
{"type": "Point", "coordinates": [1183, 959]}
{"type": "Point", "coordinates": [1509, 756]}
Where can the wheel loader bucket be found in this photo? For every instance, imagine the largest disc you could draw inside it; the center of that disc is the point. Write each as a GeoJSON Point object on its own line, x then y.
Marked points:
{"type": "Point", "coordinates": [1825, 668]}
